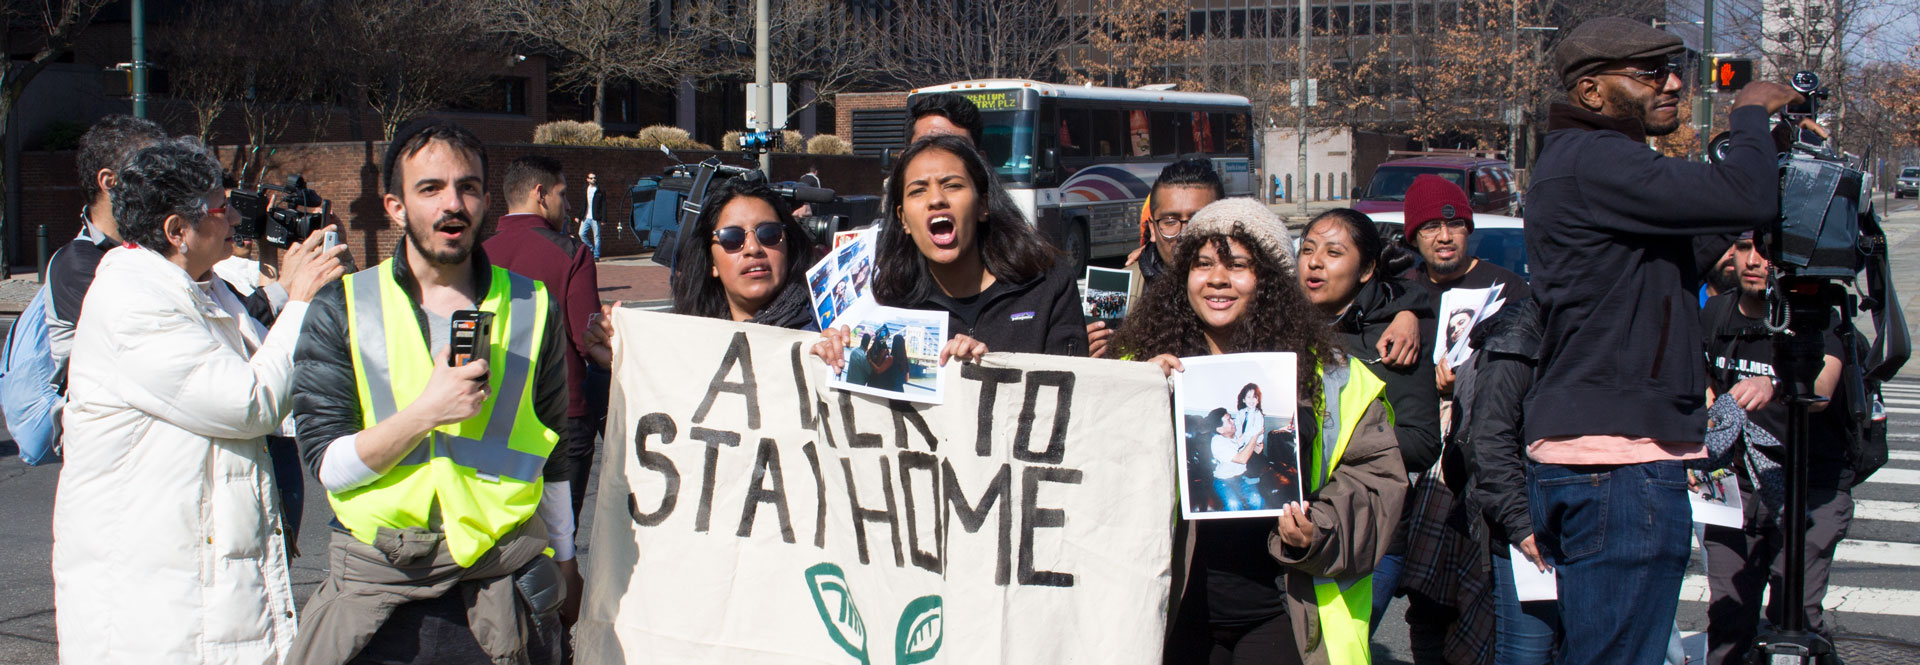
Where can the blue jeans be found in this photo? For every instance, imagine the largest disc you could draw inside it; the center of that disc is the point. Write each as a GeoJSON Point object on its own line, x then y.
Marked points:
{"type": "Point", "coordinates": [591, 225]}
{"type": "Point", "coordinates": [1619, 537]}
{"type": "Point", "coordinates": [1238, 493]}
{"type": "Point", "coordinates": [1386, 578]}
{"type": "Point", "coordinates": [1524, 633]}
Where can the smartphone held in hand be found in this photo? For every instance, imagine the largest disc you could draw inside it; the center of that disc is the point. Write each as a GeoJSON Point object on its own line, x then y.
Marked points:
{"type": "Point", "coordinates": [471, 338]}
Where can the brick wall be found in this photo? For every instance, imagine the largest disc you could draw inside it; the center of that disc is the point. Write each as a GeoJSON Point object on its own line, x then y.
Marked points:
{"type": "Point", "coordinates": [844, 104]}
{"type": "Point", "coordinates": [348, 174]}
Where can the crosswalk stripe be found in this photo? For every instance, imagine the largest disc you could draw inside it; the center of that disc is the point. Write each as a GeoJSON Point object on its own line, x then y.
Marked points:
{"type": "Point", "coordinates": [1878, 552]}
{"type": "Point", "coordinates": [1895, 477]}
{"type": "Point", "coordinates": [1905, 455]}
{"type": "Point", "coordinates": [1889, 511]}
{"type": "Point", "coordinates": [1895, 602]}
{"type": "Point", "coordinates": [1903, 410]}
{"type": "Point", "coordinates": [1902, 402]}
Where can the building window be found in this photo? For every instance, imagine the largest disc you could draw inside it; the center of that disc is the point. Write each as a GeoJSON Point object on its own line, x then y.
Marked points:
{"type": "Point", "coordinates": [1363, 19]}
{"type": "Point", "coordinates": [1196, 23]}
{"type": "Point", "coordinates": [505, 94]}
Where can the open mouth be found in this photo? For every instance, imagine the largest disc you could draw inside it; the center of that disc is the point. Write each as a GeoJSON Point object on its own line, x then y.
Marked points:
{"type": "Point", "coordinates": [1219, 303]}
{"type": "Point", "coordinates": [450, 228]}
{"type": "Point", "coordinates": [757, 270]}
{"type": "Point", "coordinates": [942, 231]}
{"type": "Point", "coordinates": [1314, 283]}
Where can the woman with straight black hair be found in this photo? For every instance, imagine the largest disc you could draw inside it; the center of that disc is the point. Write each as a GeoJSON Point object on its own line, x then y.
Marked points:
{"type": "Point", "coordinates": [955, 242]}
{"type": "Point", "coordinates": [745, 260]}
{"type": "Point", "coordinates": [1348, 271]}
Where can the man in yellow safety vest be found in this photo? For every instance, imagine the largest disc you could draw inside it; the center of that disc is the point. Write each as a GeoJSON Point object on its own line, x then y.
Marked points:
{"type": "Point", "coordinates": [445, 493]}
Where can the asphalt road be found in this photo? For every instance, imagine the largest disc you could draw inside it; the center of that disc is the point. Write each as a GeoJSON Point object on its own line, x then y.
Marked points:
{"type": "Point", "coordinates": [1877, 577]}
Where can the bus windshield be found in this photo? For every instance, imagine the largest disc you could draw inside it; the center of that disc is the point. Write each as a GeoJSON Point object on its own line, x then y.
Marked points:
{"type": "Point", "coordinates": [1008, 145]}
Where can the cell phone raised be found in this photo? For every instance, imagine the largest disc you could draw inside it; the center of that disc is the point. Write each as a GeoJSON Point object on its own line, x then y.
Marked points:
{"type": "Point", "coordinates": [332, 238]}
{"type": "Point", "coordinates": [471, 338]}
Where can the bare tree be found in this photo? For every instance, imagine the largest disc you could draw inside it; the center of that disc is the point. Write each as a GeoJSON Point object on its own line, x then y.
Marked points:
{"type": "Point", "coordinates": [940, 41]}
{"type": "Point", "coordinates": [206, 67]}
{"type": "Point", "coordinates": [48, 29]}
{"type": "Point", "coordinates": [819, 41]}
{"type": "Point", "coordinates": [597, 41]}
{"type": "Point", "coordinates": [410, 58]}
{"type": "Point", "coordinates": [1137, 42]}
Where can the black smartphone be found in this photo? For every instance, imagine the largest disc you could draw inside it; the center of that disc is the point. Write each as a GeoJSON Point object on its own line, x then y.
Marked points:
{"type": "Point", "coordinates": [471, 338]}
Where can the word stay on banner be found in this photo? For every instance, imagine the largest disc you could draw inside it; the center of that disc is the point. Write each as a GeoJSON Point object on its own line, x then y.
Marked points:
{"type": "Point", "coordinates": [749, 514]}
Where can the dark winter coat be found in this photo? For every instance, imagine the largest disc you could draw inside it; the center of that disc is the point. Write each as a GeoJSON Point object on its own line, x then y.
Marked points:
{"type": "Point", "coordinates": [1610, 225]}
{"type": "Point", "coordinates": [1410, 391]}
{"type": "Point", "coordinates": [1508, 348]}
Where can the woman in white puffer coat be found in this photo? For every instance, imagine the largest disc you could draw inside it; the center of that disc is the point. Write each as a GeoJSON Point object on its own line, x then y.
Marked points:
{"type": "Point", "coordinates": [165, 547]}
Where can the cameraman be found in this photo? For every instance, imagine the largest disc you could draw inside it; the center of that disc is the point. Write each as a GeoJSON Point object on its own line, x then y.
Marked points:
{"type": "Point", "coordinates": [1741, 561]}
{"type": "Point", "coordinates": [1618, 399]}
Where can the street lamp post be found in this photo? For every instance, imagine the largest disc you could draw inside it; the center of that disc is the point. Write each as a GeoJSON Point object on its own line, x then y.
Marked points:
{"type": "Point", "coordinates": [1300, 109]}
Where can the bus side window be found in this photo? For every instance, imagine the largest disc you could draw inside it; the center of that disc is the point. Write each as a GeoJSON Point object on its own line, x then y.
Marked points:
{"type": "Point", "coordinates": [1168, 130]}
{"type": "Point", "coordinates": [1107, 133]}
{"type": "Point", "coordinates": [1230, 132]}
{"type": "Point", "coordinates": [1075, 134]}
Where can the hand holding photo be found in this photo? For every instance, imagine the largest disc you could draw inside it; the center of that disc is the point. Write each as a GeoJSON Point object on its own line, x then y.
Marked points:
{"type": "Point", "coordinates": [840, 282]}
{"type": "Point", "coordinates": [1460, 310]}
{"type": "Point", "coordinates": [1105, 296]}
{"type": "Point", "coordinates": [1238, 447]}
{"type": "Point", "coordinates": [895, 353]}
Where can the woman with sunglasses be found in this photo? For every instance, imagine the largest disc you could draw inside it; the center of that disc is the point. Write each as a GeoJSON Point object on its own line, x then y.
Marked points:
{"type": "Point", "coordinates": [1295, 591]}
{"type": "Point", "coordinates": [955, 242]}
{"type": "Point", "coordinates": [745, 260]}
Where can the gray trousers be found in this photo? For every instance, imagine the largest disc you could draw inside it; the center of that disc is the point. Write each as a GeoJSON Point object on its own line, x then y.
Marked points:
{"type": "Point", "coordinates": [1742, 563]}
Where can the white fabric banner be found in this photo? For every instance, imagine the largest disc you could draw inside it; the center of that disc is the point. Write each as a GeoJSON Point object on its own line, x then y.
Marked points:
{"type": "Point", "coordinates": [746, 514]}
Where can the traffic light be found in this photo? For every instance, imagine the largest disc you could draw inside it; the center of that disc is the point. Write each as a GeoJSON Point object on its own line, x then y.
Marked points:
{"type": "Point", "coordinates": [1730, 74]}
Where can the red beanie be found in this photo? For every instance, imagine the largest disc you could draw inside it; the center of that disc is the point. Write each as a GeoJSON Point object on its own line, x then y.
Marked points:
{"type": "Point", "coordinates": [1432, 197]}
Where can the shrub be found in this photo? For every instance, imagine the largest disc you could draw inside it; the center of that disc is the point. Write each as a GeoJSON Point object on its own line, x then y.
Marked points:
{"type": "Point", "coordinates": [828, 144]}
{"type": "Point", "coordinates": [568, 132]}
{"type": "Point", "coordinates": [659, 135]}
{"type": "Point", "coordinates": [730, 141]}
{"type": "Point", "coordinates": [792, 141]}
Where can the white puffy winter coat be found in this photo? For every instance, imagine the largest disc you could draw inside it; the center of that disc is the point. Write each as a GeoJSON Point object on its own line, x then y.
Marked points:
{"type": "Point", "coordinates": [166, 538]}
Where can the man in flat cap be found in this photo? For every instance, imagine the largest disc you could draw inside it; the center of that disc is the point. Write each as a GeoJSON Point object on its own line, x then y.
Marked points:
{"type": "Point", "coordinates": [1618, 403]}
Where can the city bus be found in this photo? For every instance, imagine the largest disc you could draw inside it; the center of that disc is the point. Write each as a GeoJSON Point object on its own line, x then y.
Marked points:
{"type": "Point", "coordinates": [1080, 160]}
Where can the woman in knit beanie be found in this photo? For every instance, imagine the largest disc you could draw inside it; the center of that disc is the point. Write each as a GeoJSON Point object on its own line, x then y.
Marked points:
{"type": "Point", "coordinates": [1295, 590]}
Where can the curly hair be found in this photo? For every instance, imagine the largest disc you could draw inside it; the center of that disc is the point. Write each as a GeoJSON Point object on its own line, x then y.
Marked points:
{"type": "Point", "coordinates": [1009, 247]}
{"type": "Point", "coordinates": [1280, 318]}
{"type": "Point", "coordinates": [698, 293]}
{"type": "Point", "coordinates": [169, 177]}
{"type": "Point", "coordinates": [108, 144]}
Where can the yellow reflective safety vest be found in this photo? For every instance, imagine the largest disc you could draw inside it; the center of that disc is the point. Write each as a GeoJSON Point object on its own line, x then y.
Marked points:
{"type": "Point", "coordinates": [483, 474]}
{"type": "Point", "coordinates": [1345, 605]}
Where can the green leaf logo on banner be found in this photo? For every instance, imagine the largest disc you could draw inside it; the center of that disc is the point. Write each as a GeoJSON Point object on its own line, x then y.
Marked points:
{"type": "Point", "coordinates": [843, 619]}
{"type": "Point", "coordinates": [918, 638]}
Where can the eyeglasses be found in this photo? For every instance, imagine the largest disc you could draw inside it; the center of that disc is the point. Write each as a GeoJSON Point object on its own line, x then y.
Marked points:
{"type": "Point", "coordinates": [1433, 228]}
{"type": "Point", "coordinates": [1656, 77]}
{"type": "Point", "coordinates": [733, 238]}
{"type": "Point", "coordinates": [1171, 225]}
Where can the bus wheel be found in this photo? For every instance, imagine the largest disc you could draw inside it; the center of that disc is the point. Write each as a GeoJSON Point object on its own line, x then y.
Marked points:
{"type": "Point", "coordinates": [1075, 244]}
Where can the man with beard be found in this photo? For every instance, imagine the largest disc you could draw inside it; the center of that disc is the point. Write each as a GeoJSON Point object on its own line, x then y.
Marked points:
{"type": "Point", "coordinates": [1618, 399]}
{"type": "Point", "coordinates": [1439, 220]}
{"type": "Point", "coordinates": [1724, 278]}
{"type": "Point", "coordinates": [443, 479]}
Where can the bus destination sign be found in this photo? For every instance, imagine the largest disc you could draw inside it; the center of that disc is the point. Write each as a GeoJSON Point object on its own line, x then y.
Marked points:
{"type": "Point", "coordinates": [997, 100]}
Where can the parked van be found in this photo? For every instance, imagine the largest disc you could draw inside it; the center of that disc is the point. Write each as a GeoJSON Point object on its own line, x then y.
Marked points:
{"type": "Point", "coordinates": [1489, 183]}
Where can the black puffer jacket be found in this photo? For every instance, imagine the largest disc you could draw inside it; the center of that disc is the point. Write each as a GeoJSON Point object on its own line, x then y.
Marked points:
{"type": "Point", "coordinates": [326, 399]}
{"type": "Point", "coordinates": [1509, 348]}
{"type": "Point", "coordinates": [1040, 315]}
{"type": "Point", "coordinates": [1410, 390]}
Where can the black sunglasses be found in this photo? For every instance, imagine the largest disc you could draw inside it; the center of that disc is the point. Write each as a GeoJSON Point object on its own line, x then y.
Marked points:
{"type": "Point", "coordinates": [732, 238]}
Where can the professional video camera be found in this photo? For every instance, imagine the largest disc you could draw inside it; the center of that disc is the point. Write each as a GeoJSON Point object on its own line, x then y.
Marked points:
{"type": "Point", "coordinates": [1827, 238]}
{"type": "Point", "coordinates": [692, 182]}
{"type": "Point", "coordinates": [283, 223]}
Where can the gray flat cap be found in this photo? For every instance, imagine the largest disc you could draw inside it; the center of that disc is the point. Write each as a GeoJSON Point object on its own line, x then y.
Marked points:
{"type": "Point", "coordinates": [1599, 41]}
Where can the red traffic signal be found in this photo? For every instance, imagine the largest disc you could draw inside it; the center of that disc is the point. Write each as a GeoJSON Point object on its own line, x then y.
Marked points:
{"type": "Point", "coordinates": [1730, 74]}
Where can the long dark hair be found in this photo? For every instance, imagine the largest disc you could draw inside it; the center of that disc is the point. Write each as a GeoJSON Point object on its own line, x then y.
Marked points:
{"type": "Point", "coordinates": [1241, 401]}
{"type": "Point", "coordinates": [1279, 319]}
{"type": "Point", "coordinates": [1009, 247]}
{"type": "Point", "coordinates": [699, 293]}
{"type": "Point", "coordinates": [1383, 260]}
